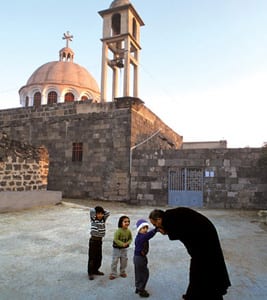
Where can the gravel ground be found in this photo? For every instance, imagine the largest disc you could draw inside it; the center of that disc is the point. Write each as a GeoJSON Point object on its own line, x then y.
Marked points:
{"type": "Point", "coordinates": [43, 255]}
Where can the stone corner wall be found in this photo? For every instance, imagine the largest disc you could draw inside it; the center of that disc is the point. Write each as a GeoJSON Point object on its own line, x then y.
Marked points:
{"type": "Point", "coordinates": [22, 167]}
{"type": "Point", "coordinates": [146, 124]}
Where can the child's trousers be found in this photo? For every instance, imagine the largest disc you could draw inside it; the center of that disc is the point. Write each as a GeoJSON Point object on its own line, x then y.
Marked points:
{"type": "Point", "coordinates": [141, 272]}
{"type": "Point", "coordinates": [94, 255]}
{"type": "Point", "coordinates": [119, 254]}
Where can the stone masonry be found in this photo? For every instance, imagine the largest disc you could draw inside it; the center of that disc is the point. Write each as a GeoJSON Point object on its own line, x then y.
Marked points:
{"type": "Point", "coordinates": [127, 154]}
{"type": "Point", "coordinates": [239, 180]}
{"type": "Point", "coordinates": [22, 167]}
{"type": "Point", "coordinates": [107, 131]}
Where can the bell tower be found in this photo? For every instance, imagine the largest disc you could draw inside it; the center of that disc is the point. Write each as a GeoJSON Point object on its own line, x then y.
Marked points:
{"type": "Point", "coordinates": [120, 49]}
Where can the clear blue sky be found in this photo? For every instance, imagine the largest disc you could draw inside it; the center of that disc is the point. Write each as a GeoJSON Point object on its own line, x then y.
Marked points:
{"type": "Point", "coordinates": [203, 64]}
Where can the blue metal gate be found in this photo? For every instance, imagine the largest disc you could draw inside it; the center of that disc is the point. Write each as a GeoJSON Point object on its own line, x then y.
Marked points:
{"type": "Point", "coordinates": [185, 187]}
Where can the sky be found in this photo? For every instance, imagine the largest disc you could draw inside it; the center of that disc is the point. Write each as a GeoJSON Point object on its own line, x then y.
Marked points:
{"type": "Point", "coordinates": [203, 63]}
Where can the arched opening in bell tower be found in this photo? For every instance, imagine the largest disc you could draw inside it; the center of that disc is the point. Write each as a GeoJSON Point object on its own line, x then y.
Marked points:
{"type": "Point", "coordinates": [116, 24]}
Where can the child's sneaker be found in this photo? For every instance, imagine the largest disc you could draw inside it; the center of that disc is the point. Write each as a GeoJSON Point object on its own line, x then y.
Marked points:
{"type": "Point", "coordinates": [143, 294]}
{"type": "Point", "coordinates": [111, 277]}
{"type": "Point", "coordinates": [123, 275]}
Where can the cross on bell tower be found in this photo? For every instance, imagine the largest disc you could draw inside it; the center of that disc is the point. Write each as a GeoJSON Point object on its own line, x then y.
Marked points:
{"type": "Point", "coordinates": [120, 48]}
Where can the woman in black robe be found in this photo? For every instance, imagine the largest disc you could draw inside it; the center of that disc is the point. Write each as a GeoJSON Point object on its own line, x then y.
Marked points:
{"type": "Point", "coordinates": [208, 276]}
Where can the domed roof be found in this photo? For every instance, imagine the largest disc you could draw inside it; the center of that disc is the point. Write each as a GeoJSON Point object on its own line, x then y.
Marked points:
{"type": "Point", "coordinates": [62, 72]}
{"type": "Point", "coordinates": [55, 81]}
{"type": "Point", "coordinates": [117, 3]}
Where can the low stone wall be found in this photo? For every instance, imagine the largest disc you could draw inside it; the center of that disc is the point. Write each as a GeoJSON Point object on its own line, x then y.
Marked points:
{"type": "Point", "coordinates": [238, 180]}
{"type": "Point", "coordinates": [23, 176]}
{"type": "Point", "coordinates": [22, 167]}
{"type": "Point", "coordinates": [15, 201]}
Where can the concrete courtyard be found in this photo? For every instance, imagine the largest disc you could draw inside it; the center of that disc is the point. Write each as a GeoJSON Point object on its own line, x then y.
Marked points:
{"type": "Point", "coordinates": [43, 255]}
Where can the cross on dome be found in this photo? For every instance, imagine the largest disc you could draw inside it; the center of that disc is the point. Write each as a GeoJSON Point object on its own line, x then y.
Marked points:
{"type": "Point", "coordinates": [68, 37]}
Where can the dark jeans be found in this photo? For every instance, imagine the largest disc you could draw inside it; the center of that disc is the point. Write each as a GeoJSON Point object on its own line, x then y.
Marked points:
{"type": "Point", "coordinates": [141, 272]}
{"type": "Point", "coordinates": [94, 255]}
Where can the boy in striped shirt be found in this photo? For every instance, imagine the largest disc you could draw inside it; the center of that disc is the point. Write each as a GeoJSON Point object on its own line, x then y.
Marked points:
{"type": "Point", "coordinates": [98, 217]}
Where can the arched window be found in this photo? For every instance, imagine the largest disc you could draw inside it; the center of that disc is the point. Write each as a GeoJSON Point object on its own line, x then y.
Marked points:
{"type": "Point", "coordinates": [52, 97]}
{"type": "Point", "coordinates": [84, 98]}
{"type": "Point", "coordinates": [37, 99]}
{"type": "Point", "coordinates": [116, 24]}
{"type": "Point", "coordinates": [69, 97]}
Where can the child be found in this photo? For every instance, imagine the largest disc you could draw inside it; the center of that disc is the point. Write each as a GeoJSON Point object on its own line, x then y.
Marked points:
{"type": "Point", "coordinates": [140, 256]}
{"type": "Point", "coordinates": [98, 218]}
{"type": "Point", "coordinates": [122, 240]}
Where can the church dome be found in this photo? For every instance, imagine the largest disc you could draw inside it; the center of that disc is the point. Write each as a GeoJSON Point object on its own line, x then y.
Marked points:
{"type": "Point", "coordinates": [60, 81]}
{"type": "Point", "coordinates": [117, 3]}
{"type": "Point", "coordinates": [61, 72]}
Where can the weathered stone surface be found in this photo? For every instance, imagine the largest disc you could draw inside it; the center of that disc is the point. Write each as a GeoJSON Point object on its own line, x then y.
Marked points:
{"type": "Point", "coordinates": [107, 131]}
{"type": "Point", "coordinates": [22, 167]}
{"type": "Point", "coordinates": [237, 181]}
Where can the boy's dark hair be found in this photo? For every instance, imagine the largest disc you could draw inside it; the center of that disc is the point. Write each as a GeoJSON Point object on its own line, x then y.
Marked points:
{"type": "Point", "coordinates": [99, 209]}
{"type": "Point", "coordinates": [155, 214]}
{"type": "Point", "coordinates": [121, 220]}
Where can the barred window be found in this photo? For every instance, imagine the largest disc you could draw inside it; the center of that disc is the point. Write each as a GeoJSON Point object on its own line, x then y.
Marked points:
{"type": "Point", "coordinates": [69, 97]}
{"type": "Point", "coordinates": [37, 99]}
{"type": "Point", "coordinates": [77, 151]}
{"type": "Point", "coordinates": [52, 97]}
{"type": "Point", "coordinates": [84, 98]}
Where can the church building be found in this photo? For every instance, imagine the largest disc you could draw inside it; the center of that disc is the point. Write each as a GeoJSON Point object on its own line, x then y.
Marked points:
{"type": "Point", "coordinates": [90, 138]}
{"type": "Point", "coordinates": [105, 143]}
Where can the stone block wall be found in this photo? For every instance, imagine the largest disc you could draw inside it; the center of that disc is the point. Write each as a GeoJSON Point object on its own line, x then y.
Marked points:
{"type": "Point", "coordinates": [112, 167]}
{"type": "Point", "coordinates": [22, 167]}
{"type": "Point", "coordinates": [145, 124]}
{"type": "Point", "coordinates": [105, 131]}
{"type": "Point", "coordinates": [238, 181]}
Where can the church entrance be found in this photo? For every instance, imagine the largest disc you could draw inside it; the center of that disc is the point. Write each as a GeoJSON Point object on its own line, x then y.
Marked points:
{"type": "Point", "coordinates": [185, 187]}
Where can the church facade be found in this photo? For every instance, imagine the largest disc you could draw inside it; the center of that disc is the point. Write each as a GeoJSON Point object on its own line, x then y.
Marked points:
{"type": "Point", "coordinates": [89, 144]}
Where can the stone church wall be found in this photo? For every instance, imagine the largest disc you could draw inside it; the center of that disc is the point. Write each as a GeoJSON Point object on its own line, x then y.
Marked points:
{"type": "Point", "coordinates": [106, 133]}
{"type": "Point", "coordinates": [238, 180]}
{"type": "Point", "coordinates": [118, 161]}
{"type": "Point", "coordinates": [145, 124]}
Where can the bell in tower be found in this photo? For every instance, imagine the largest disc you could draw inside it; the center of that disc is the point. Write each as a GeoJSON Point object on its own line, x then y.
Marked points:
{"type": "Point", "coordinates": [120, 49]}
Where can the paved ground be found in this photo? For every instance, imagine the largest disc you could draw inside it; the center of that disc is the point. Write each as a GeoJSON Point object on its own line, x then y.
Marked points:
{"type": "Point", "coordinates": [43, 255]}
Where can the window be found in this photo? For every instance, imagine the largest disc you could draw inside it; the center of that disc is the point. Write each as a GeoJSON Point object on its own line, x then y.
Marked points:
{"type": "Point", "coordinates": [77, 151]}
{"type": "Point", "coordinates": [84, 98]}
{"type": "Point", "coordinates": [52, 98]}
{"type": "Point", "coordinates": [134, 29]}
{"type": "Point", "coordinates": [116, 24]}
{"type": "Point", "coordinates": [27, 101]}
{"type": "Point", "coordinates": [69, 97]}
{"type": "Point", "coordinates": [37, 99]}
